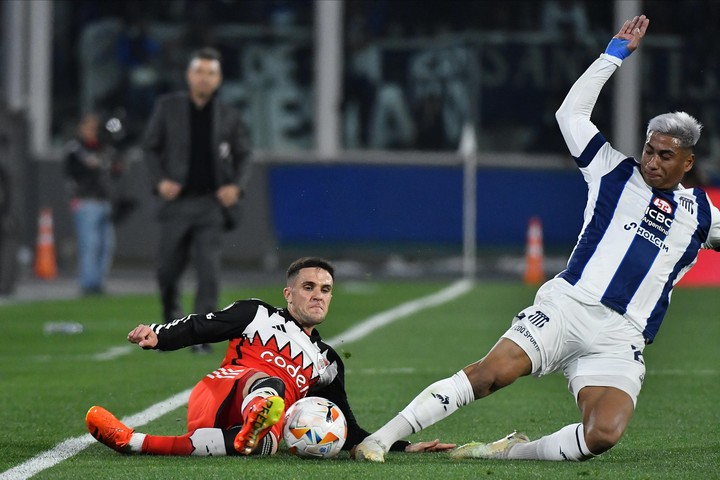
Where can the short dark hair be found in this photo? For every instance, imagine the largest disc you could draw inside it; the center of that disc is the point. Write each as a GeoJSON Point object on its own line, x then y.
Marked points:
{"type": "Point", "coordinates": [309, 262]}
{"type": "Point", "coordinates": [206, 53]}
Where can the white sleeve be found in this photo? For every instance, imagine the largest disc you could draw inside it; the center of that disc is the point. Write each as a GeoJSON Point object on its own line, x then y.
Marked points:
{"type": "Point", "coordinates": [573, 116]}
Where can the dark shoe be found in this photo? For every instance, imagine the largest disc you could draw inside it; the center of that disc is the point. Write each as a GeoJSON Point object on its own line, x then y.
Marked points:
{"type": "Point", "coordinates": [92, 291]}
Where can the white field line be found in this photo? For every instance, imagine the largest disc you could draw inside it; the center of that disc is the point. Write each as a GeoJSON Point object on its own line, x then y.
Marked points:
{"type": "Point", "coordinates": [383, 371]}
{"type": "Point", "coordinates": [384, 318]}
{"type": "Point", "coordinates": [113, 352]}
{"type": "Point", "coordinates": [110, 354]}
{"type": "Point", "coordinates": [73, 446]}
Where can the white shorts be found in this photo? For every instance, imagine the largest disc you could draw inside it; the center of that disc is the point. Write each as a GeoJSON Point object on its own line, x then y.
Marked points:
{"type": "Point", "coordinates": [592, 344]}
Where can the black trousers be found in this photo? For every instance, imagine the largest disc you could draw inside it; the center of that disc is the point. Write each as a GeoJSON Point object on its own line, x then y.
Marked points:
{"type": "Point", "coordinates": [191, 229]}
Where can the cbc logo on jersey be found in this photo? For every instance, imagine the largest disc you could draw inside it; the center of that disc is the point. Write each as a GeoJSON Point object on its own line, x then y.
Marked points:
{"type": "Point", "coordinates": [658, 219]}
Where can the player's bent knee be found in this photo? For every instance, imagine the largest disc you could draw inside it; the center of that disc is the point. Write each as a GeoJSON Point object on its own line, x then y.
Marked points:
{"type": "Point", "coordinates": [484, 380]}
{"type": "Point", "coordinates": [600, 440]}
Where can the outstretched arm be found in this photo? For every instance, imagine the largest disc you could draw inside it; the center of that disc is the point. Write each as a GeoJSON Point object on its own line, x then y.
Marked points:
{"type": "Point", "coordinates": [573, 116]}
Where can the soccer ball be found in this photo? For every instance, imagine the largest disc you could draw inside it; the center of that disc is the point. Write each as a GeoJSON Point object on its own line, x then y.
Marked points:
{"type": "Point", "coordinates": [314, 428]}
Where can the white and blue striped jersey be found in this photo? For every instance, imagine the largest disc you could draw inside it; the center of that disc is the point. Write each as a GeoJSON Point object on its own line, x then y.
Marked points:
{"type": "Point", "coordinates": [636, 241]}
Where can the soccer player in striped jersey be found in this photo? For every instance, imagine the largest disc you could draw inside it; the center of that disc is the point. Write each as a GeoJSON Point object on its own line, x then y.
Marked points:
{"type": "Point", "coordinates": [642, 231]}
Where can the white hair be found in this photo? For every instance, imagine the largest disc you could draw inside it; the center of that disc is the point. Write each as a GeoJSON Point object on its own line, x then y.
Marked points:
{"type": "Point", "coordinates": [680, 125]}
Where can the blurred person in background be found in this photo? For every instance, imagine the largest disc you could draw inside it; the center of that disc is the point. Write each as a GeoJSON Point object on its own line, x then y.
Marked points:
{"type": "Point", "coordinates": [566, 19]}
{"type": "Point", "coordinates": [91, 166]}
{"type": "Point", "coordinates": [642, 231]}
{"type": "Point", "coordinates": [197, 151]}
{"type": "Point", "coordinates": [138, 53]}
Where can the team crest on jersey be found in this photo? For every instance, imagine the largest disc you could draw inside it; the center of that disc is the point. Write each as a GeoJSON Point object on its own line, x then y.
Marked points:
{"type": "Point", "coordinates": [688, 204]}
{"type": "Point", "coordinates": [321, 363]}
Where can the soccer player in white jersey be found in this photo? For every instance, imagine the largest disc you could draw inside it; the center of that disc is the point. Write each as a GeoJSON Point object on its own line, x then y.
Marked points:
{"type": "Point", "coordinates": [642, 231]}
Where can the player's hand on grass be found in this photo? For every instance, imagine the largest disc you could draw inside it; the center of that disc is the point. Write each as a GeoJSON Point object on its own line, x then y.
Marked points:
{"type": "Point", "coordinates": [434, 446]}
{"type": "Point", "coordinates": [143, 336]}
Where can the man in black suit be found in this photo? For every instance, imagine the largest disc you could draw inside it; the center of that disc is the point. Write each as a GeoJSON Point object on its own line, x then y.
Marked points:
{"type": "Point", "coordinates": [197, 151]}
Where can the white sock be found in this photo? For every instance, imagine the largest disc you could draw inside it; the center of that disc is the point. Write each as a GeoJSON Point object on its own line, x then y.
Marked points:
{"type": "Point", "coordinates": [433, 404]}
{"type": "Point", "coordinates": [136, 441]}
{"type": "Point", "coordinates": [264, 392]}
{"type": "Point", "coordinates": [208, 442]}
{"type": "Point", "coordinates": [392, 431]}
{"type": "Point", "coordinates": [568, 444]}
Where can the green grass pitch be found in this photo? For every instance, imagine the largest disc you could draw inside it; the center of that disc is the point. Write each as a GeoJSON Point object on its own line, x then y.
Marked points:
{"type": "Point", "coordinates": [49, 381]}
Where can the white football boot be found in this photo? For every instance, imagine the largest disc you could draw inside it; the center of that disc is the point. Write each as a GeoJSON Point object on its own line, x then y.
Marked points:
{"type": "Point", "coordinates": [370, 450]}
{"type": "Point", "coordinates": [498, 449]}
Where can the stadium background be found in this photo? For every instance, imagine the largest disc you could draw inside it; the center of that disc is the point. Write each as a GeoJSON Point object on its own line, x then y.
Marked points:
{"type": "Point", "coordinates": [369, 170]}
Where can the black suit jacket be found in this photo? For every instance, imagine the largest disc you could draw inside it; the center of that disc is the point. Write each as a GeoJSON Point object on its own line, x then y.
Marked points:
{"type": "Point", "coordinates": [166, 145]}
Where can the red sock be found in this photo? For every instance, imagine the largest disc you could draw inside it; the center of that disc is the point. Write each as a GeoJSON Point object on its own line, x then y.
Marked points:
{"type": "Point", "coordinates": [160, 445]}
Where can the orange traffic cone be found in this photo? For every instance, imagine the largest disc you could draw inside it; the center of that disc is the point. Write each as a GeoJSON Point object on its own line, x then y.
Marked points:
{"type": "Point", "coordinates": [45, 263]}
{"type": "Point", "coordinates": [534, 272]}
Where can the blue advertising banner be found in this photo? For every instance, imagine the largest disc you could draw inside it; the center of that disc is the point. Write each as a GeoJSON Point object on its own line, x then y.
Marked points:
{"type": "Point", "coordinates": [421, 204]}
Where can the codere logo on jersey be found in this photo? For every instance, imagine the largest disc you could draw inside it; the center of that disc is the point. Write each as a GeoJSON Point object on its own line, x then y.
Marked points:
{"type": "Point", "coordinates": [295, 371]}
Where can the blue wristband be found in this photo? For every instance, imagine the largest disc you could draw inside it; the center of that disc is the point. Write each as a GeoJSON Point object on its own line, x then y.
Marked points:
{"type": "Point", "coordinates": [618, 48]}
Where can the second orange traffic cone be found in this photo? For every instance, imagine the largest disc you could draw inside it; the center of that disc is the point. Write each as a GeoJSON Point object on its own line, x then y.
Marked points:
{"type": "Point", "coordinates": [534, 271]}
{"type": "Point", "coordinates": [45, 262]}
